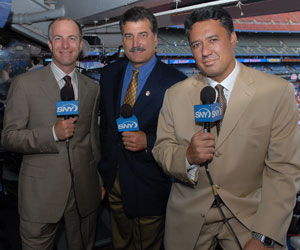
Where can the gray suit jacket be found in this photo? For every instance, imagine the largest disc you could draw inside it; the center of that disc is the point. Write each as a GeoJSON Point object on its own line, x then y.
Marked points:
{"type": "Point", "coordinates": [44, 179]}
{"type": "Point", "coordinates": [256, 166]}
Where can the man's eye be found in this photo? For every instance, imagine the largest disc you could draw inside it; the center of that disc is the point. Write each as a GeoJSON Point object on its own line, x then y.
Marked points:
{"type": "Point", "coordinates": [128, 36]}
{"type": "Point", "coordinates": [195, 45]}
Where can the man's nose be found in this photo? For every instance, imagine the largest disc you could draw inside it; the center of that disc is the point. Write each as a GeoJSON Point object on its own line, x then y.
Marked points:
{"type": "Point", "coordinates": [135, 41]}
{"type": "Point", "coordinates": [206, 49]}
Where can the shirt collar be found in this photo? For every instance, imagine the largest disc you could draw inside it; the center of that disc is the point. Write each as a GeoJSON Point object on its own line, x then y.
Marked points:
{"type": "Point", "coordinates": [229, 81]}
{"type": "Point", "coordinates": [143, 70]}
{"type": "Point", "coordinates": [59, 74]}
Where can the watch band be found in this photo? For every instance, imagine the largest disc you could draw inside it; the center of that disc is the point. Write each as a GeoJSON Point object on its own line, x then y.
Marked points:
{"type": "Point", "coordinates": [268, 242]}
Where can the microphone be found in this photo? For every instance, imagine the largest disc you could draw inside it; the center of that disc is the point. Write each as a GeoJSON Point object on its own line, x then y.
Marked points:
{"type": "Point", "coordinates": [67, 106]}
{"type": "Point", "coordinates": [209, 111]}
{"type": "Point", "coordinates": [127, 121]}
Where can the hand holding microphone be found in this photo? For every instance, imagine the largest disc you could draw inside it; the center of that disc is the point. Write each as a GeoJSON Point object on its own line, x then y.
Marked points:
{"type": "Point", "coordinates": [201, 148]}
{"type": "Point", "coordinates": [65, 129]}
{"type": "Point", "coordinates": [133, 138]}
{"type": "Point", "coordinates": [202, 144]}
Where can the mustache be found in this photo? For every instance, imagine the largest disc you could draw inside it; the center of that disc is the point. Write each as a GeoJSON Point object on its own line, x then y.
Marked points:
{"type": "Point", "coordinates": [134, 49]}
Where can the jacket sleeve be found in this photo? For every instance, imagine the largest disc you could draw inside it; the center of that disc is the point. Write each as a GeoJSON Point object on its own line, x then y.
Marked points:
{"type": "Point", "coordinates": [281, 176]}
{"type": "Point", "coordinates": [95, 132]}
{"type": "Point", "coordinates": [16, 135]}
{"type": "Point", "coordinates": [167, 151]}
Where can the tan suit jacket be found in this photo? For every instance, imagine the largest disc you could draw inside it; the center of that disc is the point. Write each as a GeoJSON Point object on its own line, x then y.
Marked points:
{"type": "Point", "coordinates": [256, 163]}
{"type": "Point", "coordinates": [44, 179]}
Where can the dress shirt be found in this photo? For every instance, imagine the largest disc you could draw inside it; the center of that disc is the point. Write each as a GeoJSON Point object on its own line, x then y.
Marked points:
{"type": "Point", "coordinates": [144, 72]}
{"type": "Point", "coordinates": [59, 75]}
{"type": "Point", "coordinates": [228, 84]}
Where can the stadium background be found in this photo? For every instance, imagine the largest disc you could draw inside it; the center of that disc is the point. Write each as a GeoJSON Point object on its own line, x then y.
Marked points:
{"type": "Point", "coordinates": [269, 43]}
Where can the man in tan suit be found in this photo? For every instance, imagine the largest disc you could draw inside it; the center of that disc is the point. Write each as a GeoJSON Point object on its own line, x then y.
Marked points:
{"type": "Point", "coordinates": [55, 183]}
{"type": "Point", "coordinates": [254, 162]}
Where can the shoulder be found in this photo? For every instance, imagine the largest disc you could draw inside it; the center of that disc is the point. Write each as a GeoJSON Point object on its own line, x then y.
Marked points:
{"type": "Point", "coordinates": [114, 66]}
{"type": "Point", "coordinates": [263, 80]}
{"type": "Point", "coordinates": [188, 83]}
{"type": "Point", "coordinates": [33, 78]}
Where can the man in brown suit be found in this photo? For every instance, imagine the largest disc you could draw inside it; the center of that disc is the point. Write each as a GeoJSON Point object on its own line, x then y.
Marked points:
{"type": "Point", "coordinates": [254, 162]}
{"type": "Point", "coordinates": [56, 182]}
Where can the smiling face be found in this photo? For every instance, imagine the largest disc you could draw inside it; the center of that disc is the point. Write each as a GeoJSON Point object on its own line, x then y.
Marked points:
{"type": "Point", "coordinates": [139, 42]}
{"type": "Point", "coordinates": [212, 48]}
{"type": "Point", "coordinates": [65, 44]}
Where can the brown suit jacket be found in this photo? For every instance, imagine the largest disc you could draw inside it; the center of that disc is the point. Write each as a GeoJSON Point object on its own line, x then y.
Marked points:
{"type": "Point", "coordinates": [44, 179]}
{"type": "Point", "coordinates": [256, 163]}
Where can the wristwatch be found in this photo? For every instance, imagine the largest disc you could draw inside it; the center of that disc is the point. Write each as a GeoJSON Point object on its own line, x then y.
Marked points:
{"type": "Point", "coordinates": [268, 242]}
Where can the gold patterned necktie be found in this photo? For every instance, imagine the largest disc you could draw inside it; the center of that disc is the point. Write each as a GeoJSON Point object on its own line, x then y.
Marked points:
{"type": "Point", "coordinates": [68, 87]}
{"type": "Point", "coordinates": [222, 100]}
{"type": "Point", "coordinates": [130, 95]}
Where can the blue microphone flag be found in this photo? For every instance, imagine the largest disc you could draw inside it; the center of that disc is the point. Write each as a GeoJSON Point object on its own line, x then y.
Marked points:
{"type": "Point", "coordinates": [127, 124]}
{"type": "Point", "coordinates": [67, 108]}
{"type": "Point", "coordinates": [208, 112]}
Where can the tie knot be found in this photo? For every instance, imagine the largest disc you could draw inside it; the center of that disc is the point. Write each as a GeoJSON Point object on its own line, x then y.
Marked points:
{"type": "Point", "coordinates": [68, 81]}
{"type": "Point", "coordinates": [135, 72]}
{"type": "Point", "coordinates": [219, 88]}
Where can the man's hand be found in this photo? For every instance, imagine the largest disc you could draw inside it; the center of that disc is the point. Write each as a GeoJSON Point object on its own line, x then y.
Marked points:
{"type": "Point", "coordinates": [201, 148]}
{"type": "Point", "coordinates": [254, 244]}
{"type": "Point", "coordinates": [134, 141]}
{"type": "Point", "coordinates": [65, 129]}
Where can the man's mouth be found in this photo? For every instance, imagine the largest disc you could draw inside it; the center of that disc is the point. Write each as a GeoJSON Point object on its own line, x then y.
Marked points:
{"type": "Point", "coordinates": [135, 49]}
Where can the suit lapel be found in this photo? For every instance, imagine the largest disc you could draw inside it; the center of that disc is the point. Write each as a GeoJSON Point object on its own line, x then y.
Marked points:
{"type": "Point", "coordinates": [82, 92]}
{"type": "Point", "coordinates": [151, 85]}
{"type": "Point", "coordinates": [117, 85]}
{"type": "Point", "coordinates": [240, 98]}
{"type": "Point", "coordinates": [49, 84]}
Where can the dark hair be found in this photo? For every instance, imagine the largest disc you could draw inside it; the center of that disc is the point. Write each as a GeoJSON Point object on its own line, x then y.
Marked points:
{"type": "Point", "coordinates": [62, 19]}
{"type": "Point", "coordinates": [136, 14]}
{"type": "Point", "coordinates": [207, 13]}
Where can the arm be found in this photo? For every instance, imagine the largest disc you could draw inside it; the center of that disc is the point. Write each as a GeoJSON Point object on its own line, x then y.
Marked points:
{"type": "Point", "coordinates": [95, 133]}
{"type": "Point", "coordinates": [95, 140]}
{"type": "Point", "coordinates": [16, 135]}
{"type": "Point", "coordinates": [281, 172]}
{"type": "Point", "coordinates": [168, 151]}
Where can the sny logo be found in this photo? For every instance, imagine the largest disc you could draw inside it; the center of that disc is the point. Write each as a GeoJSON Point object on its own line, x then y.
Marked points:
{"type": "Point", "coordinates": [67, 108]}
{"type": "Point", "coordinates": [128, 125]}
{"type": "Point", "coordinates": [208, 113]}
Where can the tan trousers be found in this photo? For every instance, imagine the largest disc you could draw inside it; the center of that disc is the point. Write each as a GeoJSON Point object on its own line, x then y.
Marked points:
{"type": "Point", "coordinates": [80, 232]}
{"type": "Point", "coordinates": [215, 231]}
{"type": "Point", "coordinates": [133, 233]}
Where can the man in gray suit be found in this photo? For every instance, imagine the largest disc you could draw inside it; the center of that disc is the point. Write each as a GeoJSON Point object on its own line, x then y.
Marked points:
{"type": "Point", "coordinates": [254, 161]}
{"type": "Point", "coordinates": [56, 181]}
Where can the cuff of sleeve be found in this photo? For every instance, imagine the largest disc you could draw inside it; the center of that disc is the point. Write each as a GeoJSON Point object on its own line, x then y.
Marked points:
{"type": "Point", "coordinates": [191, 170]}
{"type": "Point", "coordinates": [54, 135]}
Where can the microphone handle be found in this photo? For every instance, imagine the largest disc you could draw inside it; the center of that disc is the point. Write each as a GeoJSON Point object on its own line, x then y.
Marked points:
{"type": "Point", "coordinates": [206, 127]}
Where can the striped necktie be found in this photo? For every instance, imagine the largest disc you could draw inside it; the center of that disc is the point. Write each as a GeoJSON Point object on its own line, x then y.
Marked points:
{"type": "Point", "coordinates": [68, 88]}
{"type": "Point", "coordinates": [130, 95]}
{"type": "Point", "coordinates": [222, 100]}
